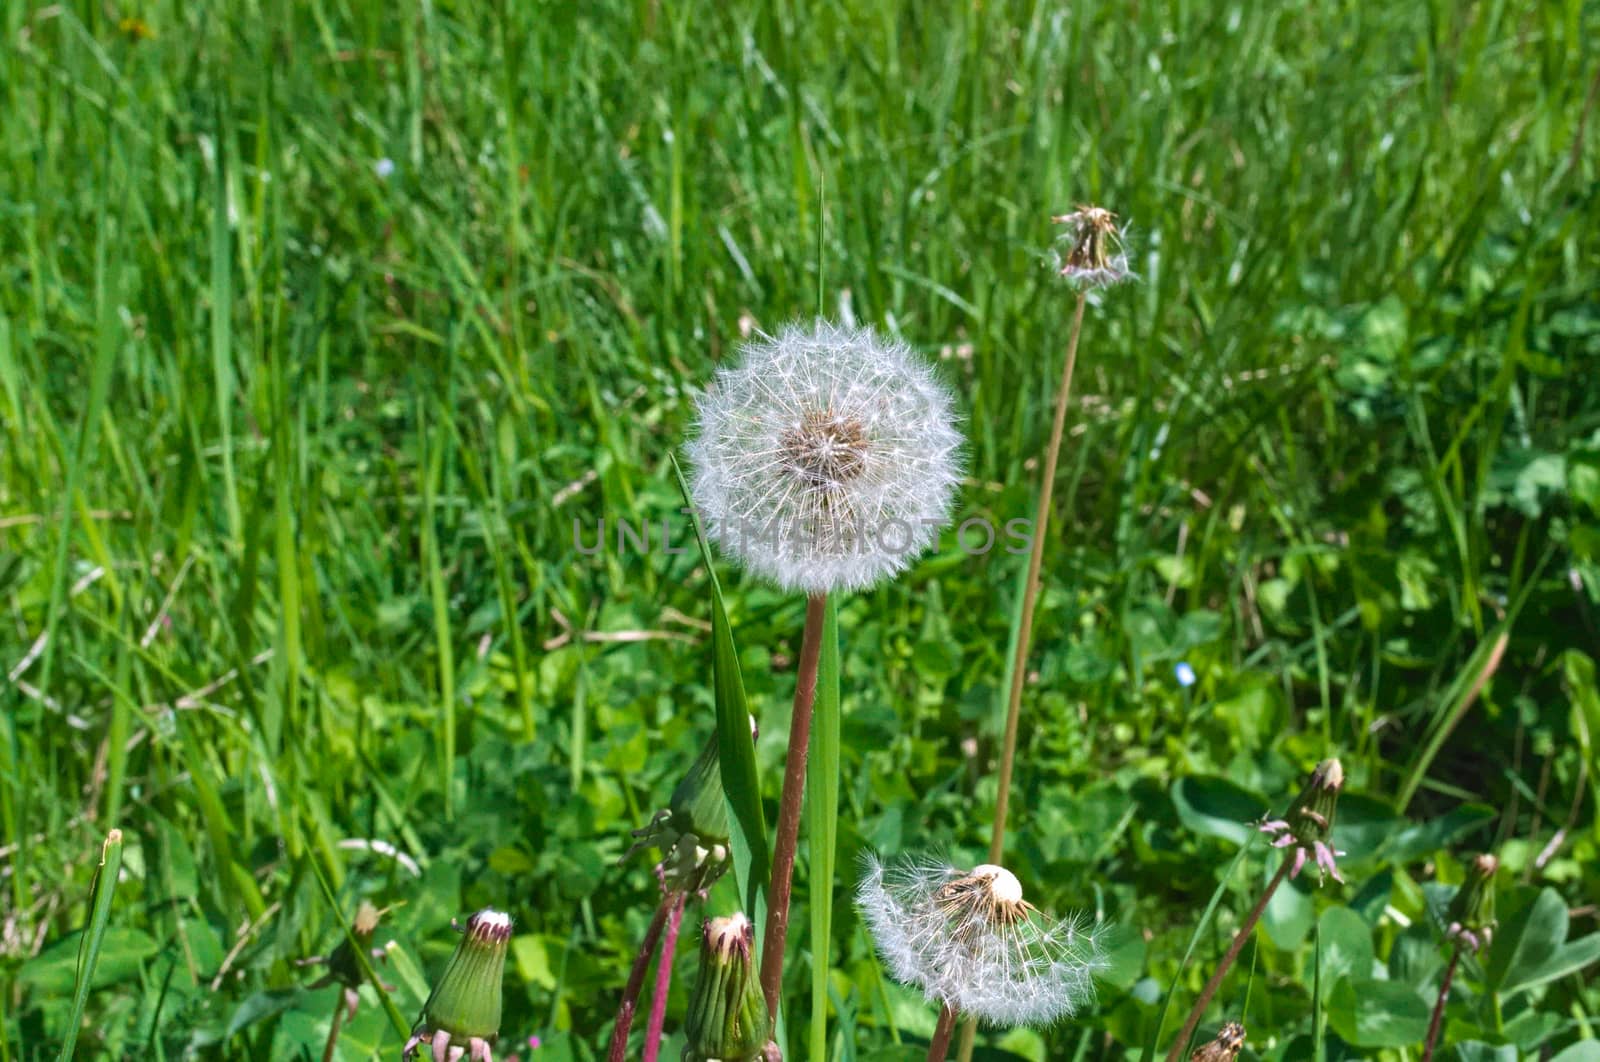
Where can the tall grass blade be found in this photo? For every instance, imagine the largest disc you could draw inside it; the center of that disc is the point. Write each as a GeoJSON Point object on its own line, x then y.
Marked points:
{"type": "Point", "coordinates": [100, 895]}
{"type": "Point", "coordinates": [822, 809]}
{"type": "Point", "coordinates": [1154, 1042]}
{"type": "Point", "coordinates": [747, 822]}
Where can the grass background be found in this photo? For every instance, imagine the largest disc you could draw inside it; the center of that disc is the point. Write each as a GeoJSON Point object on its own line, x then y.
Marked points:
{"type": "Point", "coordinates": [293, 440]}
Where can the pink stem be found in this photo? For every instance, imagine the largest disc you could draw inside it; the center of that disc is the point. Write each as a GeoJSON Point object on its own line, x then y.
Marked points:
{"type": "Point", "coordinates": [658, 1000]}
{"type": "Point", "coordinates": [618, 1050]}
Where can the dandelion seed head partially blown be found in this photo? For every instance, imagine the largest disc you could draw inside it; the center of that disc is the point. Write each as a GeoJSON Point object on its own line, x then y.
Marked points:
{"type": "Point", "coordinates": [970, 941]}
{"type": "Point", "coordinates": [826, 458]}
{"type": "Point", "coordinates": [1094, 257]}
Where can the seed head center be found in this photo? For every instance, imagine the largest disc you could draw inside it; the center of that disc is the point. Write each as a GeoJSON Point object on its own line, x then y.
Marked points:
{"type": "Point", "coordinates": [826, 449]}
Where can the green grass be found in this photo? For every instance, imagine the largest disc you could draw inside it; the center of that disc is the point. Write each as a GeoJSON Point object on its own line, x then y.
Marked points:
{"type": "Point", "coordinates": [291, 452]}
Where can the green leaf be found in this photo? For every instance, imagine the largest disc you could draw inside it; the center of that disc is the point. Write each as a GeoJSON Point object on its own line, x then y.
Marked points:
{"type": "Point", "coordinates": [1346, 945]}
{"type": "Point", "coordinates": [1587, 1051]}
{"type": "Point", "coordinates": [822, 809]}
{"type": "Point", "coordinates": [747, 823]}
{"type": "Point", "coordinates": [1478, 1051]}
{"type": "Point", "coordinates": [1377, 1013]}
{"type": "Point", "coordinates": [1216, 807]}
{"type": "Point", "coordinates": [1532, 950]}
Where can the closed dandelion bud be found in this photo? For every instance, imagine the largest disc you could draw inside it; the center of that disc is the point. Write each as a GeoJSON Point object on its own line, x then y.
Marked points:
{"type": "Point", "coordinates": [1308, 824]}
{"type": "Point", "coordinates": [728, 1020]}
{"type": "Point", "coordinates": [462, 1016]}
{"type": "Point", "coordinates": [970, 941]}
{"type": "Point", "coordinates": [692, 831]}
{"type": "Point", "coordinates": [1471, 913]}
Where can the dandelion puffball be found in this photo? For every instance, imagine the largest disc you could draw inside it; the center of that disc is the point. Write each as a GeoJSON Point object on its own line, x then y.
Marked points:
{"type": "Point", "coordinates": [970, 941]}
{"type": "Point", "coordinates": [826, 458]}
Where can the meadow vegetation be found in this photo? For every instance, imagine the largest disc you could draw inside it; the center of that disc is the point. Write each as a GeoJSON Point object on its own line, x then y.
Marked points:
{"type": "Point", "coordinates": [331, 332]}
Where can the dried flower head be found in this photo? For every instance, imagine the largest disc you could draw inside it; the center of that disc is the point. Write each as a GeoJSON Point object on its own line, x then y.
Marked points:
{"type": "Point", "coordinates": [826, 458]}
{"type": "Point", "coordinates": [344, 966]}
{"type": "Point", "coordinates": [970, 941]}
{"type": "Point", "coordinates": [1471, 911]}
{"type": "Point", "coordinates": [692, 830]}
{"type": "Point", "coordinates": [462, 1015]}
{"type": "Point", "coordinates": [1224, 1047]}
{"type": "Point", "coordinates": [1308, 824]}
{"type": "Point", "coordinates": [1094, 257]}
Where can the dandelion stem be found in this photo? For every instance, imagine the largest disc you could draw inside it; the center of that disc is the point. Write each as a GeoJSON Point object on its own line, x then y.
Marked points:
{"type": "Point", "coordinates": [1200, 1004]}
{"type": "Point", "coordinates": [788, 828]}
{"type": "Point", "coordinates": [333, 1027]}
{"type": "Point", "coordinates": [1030, 593]}
{"type": "Point", "coordinates": [1030, 598]}
{"type": "Point", "coordinates": [618, 1049]}
{"type": "Point", "coordinates": [658, 998]}
{"type": "Point", "coordinates": [1437, 1021]}
{"type": "Point", "coordinates": [939, 1046]}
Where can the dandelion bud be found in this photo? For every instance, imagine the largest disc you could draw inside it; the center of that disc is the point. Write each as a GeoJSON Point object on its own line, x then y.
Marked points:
{"type": "Point", "coordinates": [727, 1020]}
{"type": "Point", "coordinates": [1471, 912]}
{"type": "Point", "coordinates": [1308, 824]}
{"type": "Point", "coordinates": [692, 831]}
{"type": "Point", "coordinates": [462, 1016]}
{"type": "Point", "coordinates": [972, 943]}
{"type": "Point", "coordinates": [1094, 256]}
{"type": "Point", "coordinates": [1224, 1048]}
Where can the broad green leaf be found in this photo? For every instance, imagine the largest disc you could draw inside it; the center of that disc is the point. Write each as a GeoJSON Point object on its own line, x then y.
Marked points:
{"type": "Point", "coordinates": [1478, 1051]}
{"type": "Point", "coordinates": [1377, 1013]}
{"type": "Point", "coordinates": [1216, 807]}
{"type": "Point", "coordinates": [1346, 941]}
{"type": "Point", "coordinates": [1587, 1051]}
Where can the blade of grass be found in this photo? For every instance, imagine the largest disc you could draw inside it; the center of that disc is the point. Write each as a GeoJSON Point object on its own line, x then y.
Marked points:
{"type": "Point", "coordinates": [823, 828]}
{"type": "Point", "coordinates": [747, 823]}
{"type": "Point", "coordinates": [1194, 941]}
{"type": "Point", "coordinates": [1318, 1050]}
{"type": "Point", "coordinates": [100, 896]}
{"type": "Point", "coordinates": [396, 1019]}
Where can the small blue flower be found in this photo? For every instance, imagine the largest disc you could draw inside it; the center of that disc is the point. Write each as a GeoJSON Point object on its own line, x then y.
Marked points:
{"type": "Point", "coordinates": [383, 168]}
{"type": "Point", "coordinates": [1184, 673]}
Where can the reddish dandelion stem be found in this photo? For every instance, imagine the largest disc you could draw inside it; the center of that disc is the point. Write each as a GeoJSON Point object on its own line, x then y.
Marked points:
{"type": "Point", "coordinates": [658, 998]}
{"type": "Point", "coordinates": [789, 802]}
{"type": "Point", "coordinates": [1437, 1021]}
{"type": "Point", "coordinates": [617, 1051]}
{"type": "Point", "coordinates": [1200, 1004]}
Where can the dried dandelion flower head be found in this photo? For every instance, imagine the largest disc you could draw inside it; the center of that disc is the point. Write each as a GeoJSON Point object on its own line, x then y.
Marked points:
{"type": "Point", "coordinates": [1224, 1047]}
{"type": "Point", "coordinates": [970, 941]}
{"type": "Point", "coordinates": [826, 458]}
{"type": "Point", "coordinates": [461, 1018]}
{"type": "Point", "coordinates": [1471, 911]}
{"type": "Point", "coordinates": [1094, 257]}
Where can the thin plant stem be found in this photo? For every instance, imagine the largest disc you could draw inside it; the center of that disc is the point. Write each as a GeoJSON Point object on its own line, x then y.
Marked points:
{"type": "Point", "coordinates": [789, 802]}
{"type": "Point", "coordinates": [1437, 1021]}
{"type": "Point", "coordinates": [1030, 593]}
{"type": "Point", "coordinates": [617, 1051]}
{"type": "Point", "coordinates": [658, 998]}
{"type": "Point", "coordinates": [1200, 1004]}
{"type": "Point", "coordinates": [1030, 599]}
{"type": "Point", "coordinates": [939, 1046]}
{"type": "Point", "coordinates": [333, 1028]}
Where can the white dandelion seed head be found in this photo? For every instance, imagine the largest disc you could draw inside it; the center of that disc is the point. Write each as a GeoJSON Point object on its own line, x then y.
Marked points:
{"type": "Point", "coordinates": [970, 941]}
{"type": "Point", "coordinates": [826, 458]}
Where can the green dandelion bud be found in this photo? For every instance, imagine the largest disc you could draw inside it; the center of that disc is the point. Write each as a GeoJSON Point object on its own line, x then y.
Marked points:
{"type": "Point", "coordinates": [1308, 824]}
{"type": "Point", "coordinates": [1471, 912]}
{"type": "Point", "coordinates": [462, 1015]}
{"type": "Point", "coordinates": [728, 1020]}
